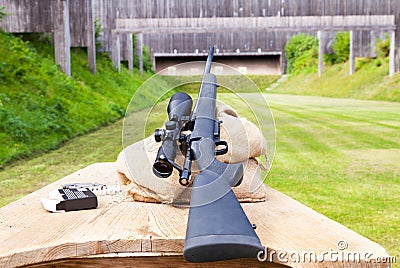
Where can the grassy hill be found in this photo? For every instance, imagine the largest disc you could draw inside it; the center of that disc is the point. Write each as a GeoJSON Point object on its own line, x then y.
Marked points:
{"type": "Point", "coordinates": [370, 82]}
{"type": "Point", "coordinates": [40, 107]}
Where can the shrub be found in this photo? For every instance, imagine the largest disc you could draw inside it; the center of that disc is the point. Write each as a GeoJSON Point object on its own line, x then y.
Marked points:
{"type": "Point", "coordinates": [147, 61]}
{"type": "Point", "coordinates": [363, 63]}
{"type": "Point", "coordinates": [307, 62]}
{"type": "Point", "coordinates": [97, 31]}
{"type": "Point", "coordinates": [382, 47]}
{"type": "Point", "coordinates": [301, 48]}
{"type": "Point", "coordinates": [2, 13]}
{"type": "Point", "coordinates": [341, 48]}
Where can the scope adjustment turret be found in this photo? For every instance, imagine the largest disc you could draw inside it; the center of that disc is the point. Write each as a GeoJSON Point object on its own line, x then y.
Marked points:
{"type": "Point", "coordinates": [170, 125]}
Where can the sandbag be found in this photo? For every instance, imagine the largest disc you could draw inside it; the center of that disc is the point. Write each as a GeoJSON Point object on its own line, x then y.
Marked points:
{"type": "Point", "coordinates": [252, 188]}
{"type": "Point", "coordinates": [134, 168]}
{"type": "Point", "coordinates": [245, 140]}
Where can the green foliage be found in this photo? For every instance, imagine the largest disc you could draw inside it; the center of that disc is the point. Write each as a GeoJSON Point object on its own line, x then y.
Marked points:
{"type": "Point", "coordinates": [382, 47]}
{"type": "Point", "coordinates": [147, 60]}
{"type": "Point", "coordinates": [341, 48]}
{"type": "Point", "coordinates": [306, 62]}
{"type": "Point", "coordinates": [364, 64]}
{"type": "Point", "coordinates": [40, 107]}
{"type": "Point", "coordinates": [2, 13]}
{"type": "Point", "coordinates": [97, 31]}
{"type": "Point", "coordinates": [301, 48]}
{"type": "Point", "coordinates": [378, 63]}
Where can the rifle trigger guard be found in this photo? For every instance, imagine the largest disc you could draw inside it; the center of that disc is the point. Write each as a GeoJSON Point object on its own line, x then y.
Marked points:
{"type": "Point", "coordinates": [223, 150]}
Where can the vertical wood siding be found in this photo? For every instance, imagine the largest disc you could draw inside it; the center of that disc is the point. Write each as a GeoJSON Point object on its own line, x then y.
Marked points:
{"type": "Point", "coordinates": [36, 16]}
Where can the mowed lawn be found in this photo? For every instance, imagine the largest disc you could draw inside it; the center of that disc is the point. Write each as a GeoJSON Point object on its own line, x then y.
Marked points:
{"type": "Point", "coordinates": [340, 157]}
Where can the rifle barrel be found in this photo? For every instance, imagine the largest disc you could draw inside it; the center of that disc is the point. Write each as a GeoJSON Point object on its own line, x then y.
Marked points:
{"type": "Point", "coordinates": [207, 70]}
{"type": "Point", "coordinates": [209, 60]}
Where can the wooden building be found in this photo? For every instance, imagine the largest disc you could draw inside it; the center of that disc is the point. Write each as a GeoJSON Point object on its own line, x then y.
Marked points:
{"type": "Point", "coordinates": [79, 16]}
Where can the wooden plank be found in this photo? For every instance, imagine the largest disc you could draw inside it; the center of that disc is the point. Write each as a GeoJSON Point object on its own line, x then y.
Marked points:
{"type": "Point", "coordinates": [241, 24]}
{"type": "Point", "coordinates": [102, 236]}
{"type": "Point", "coordinates": [283, 63]}
{"type": "Point", "coordinates": [27, 16]}
{"type": "Point", "coordinates": [139, 51]}
{"type": "Point", "coordinates": [392, 64]}
{"type": "Point", "coordinates": [352, 56]}
{"type": "Point", "coordinates": [62, 35]}
{"type": "Point", "coordinates": [150, 261]}
{"type": "Point", "coordinates": [129, 51]}
{"type": "Point", "coordinates": [91, 42]}
{"type": "Point", "coordinates": [78, 11]}
{"type": "Point", "coordinates": [116, 51]}
{"type": "Point", "coordinates": [321, 46]}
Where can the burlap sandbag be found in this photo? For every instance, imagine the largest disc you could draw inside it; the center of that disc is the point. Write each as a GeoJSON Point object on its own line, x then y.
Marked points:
{"type": "Point", "coordinates": [134, 164]}
{"type": "Point", "coordinates": [252, 188]}
{"type": "Point", "coordinates": [135, 169]}
{"type": "Point", "coordinates": [244, 138]}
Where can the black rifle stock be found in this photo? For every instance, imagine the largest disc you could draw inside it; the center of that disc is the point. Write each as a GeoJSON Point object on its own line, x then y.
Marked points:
{"type": "Point", "coordinates": [218, 228]}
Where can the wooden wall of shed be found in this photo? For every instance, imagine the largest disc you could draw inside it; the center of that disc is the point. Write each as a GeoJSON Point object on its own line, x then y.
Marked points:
{"type": "Point", "coordinates": [78, 22]}
{"type": "Point", "coordinates": [249, 8]}
{"type": "Point", "coordinates": [35, 15]}
{"type": "Point", "coordinates": [27, 16]}
{"type": "Point", "coordinates": [106, 11]}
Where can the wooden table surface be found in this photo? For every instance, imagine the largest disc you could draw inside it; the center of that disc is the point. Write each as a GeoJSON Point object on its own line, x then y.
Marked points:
{"type": "Point", "coordinates": [126, 233]}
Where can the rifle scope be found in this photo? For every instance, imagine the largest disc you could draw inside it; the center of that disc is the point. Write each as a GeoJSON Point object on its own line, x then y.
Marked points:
{"type": "Point", "coordinates": [180, 105]}
{"type": "Point", "coordinates": [179, 110]}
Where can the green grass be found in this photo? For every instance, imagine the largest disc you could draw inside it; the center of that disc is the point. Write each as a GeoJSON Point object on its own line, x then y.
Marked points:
{"type": "Point", "coordinates": [341, 158]}
{"type": "Point", "coordinates": [25, 176]}
{"type": "Point", "coordinates": [337, 156]}
{"type": "Point", "coordinates": [370, 82]}
{"type": "Point", "coordinates": [229, 83]}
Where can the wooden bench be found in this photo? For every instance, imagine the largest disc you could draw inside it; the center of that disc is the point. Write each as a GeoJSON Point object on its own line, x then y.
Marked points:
{"type": "Point", "coordinates": [122, 233]}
